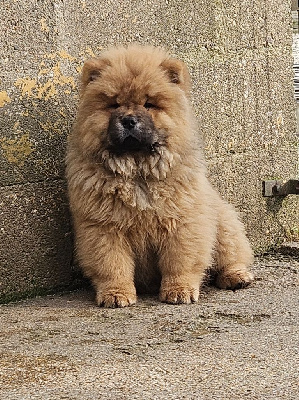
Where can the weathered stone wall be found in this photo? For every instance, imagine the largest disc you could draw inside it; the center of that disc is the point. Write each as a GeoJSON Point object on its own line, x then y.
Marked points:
{"type": "Point", "coordinates": [239, 54]}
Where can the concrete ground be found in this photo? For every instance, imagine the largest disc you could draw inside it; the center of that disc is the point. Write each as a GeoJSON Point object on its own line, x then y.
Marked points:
{"type": "Point", "coordinates": [231, 345]}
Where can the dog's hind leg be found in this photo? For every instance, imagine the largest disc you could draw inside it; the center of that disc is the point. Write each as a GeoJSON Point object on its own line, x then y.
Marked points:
{"type": "Point", "coordinates": [233, 252]}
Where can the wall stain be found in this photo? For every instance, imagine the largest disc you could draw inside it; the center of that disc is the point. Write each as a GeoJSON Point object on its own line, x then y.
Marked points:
{"type": "Point", "coordinates": [45, 86]}
{"type": "Point", "coordinates": [50, 126]}
{"type": "Point", "coordinates": [44, 26]}
{"type": "Point", "coordinates": [50, 76]}
{"type": "Point", "coordinates": [16, 126]}
{"type": "Point", "coordinates": [4, 98]}
{"type": "Point", "coordinates": [63, 54]}
{"type": "Point", "coordinates": [90, 52]}
{"type": "Point", "coordinates": [16, 150]}
{"type": "Point", "coordinates": [26, 85]}
{"type": "Point", "coordinates": [279, 119]}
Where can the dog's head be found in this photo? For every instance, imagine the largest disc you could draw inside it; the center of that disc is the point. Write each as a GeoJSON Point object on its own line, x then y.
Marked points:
{"type": "Point", "coordinates": [134, 101]}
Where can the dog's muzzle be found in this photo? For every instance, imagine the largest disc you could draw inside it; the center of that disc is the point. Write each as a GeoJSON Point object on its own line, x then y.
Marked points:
{"type": "Point", "coordinates": [132, 139]}
{"type": "Point", "coordinates": [131, 133]}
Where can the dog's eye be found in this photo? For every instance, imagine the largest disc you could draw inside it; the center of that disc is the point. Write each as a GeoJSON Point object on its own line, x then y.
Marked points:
{"type": "Point", "coordinates": [149, 105]}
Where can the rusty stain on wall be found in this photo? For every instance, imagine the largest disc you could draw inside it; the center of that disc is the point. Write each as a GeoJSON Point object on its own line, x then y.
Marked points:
{"type": "Point", "coordinates": [4, 98]}
{"type": "Point", "coordinates": [50, 76]}
{"type": "Point", "coordinates": [63, 54]}
{"type": "Point", "coordinates": [90, 52]}
{"type": "Point", "coordinates": [279, 119]}
{"type": "Point", "coordinates": [49, 79]}
{"type": "Point", "coordinates": [26, 85]}
{"type": "Point", "coordinates": [17, 150]}
{"type": "Point", "coordinates": [56, 76]}
{"type": "Point", "coordinates": [44, 26]}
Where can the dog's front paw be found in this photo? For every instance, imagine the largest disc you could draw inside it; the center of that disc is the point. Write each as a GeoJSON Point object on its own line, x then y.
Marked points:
{"type": "Point", "coordinates": [179, 295]}
{"type": "Point", "coordinates": [115, 299]}
{"type": "Point", "coordinates": [236, 279]}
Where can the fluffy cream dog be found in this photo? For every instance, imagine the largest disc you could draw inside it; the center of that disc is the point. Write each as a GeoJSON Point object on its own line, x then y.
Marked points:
{"type": "Point", "coordinates": [145, 215]}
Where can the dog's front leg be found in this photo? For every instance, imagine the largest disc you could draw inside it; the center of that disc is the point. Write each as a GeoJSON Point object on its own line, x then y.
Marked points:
{"type": "Point", "coordinates": [183, 259]}
{"type": "Point", "coordinates": [106, 257]}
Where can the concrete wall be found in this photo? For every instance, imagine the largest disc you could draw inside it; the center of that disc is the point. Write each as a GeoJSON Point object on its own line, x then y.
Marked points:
{"type": "Point", "coordinates": [239, 54]}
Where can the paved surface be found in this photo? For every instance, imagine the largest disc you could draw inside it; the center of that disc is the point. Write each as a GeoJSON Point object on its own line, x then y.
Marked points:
{"type": "Point", "coordinates": [231, 345]}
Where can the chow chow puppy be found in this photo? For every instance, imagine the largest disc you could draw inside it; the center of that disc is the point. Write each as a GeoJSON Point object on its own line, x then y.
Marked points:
{"type": "Point", "coordinates": [144, 213]}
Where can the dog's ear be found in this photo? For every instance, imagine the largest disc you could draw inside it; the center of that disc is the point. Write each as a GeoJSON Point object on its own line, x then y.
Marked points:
{"type": "Point", "coordinates": [92, 69]}
{"type": "Point", "coordinates": [177, 73]}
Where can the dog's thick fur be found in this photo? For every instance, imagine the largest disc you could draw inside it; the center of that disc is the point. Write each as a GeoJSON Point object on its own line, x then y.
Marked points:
{"type": "Point", "coordinates": [144, 213]}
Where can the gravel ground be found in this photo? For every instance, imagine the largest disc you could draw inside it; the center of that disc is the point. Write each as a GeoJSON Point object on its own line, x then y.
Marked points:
{"type": "Point", "coordinates": [231, 345]}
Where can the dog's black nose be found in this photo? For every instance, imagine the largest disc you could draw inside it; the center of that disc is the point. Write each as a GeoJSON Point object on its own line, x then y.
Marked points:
{"type": "Point", "coordinates": [129, 122]}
